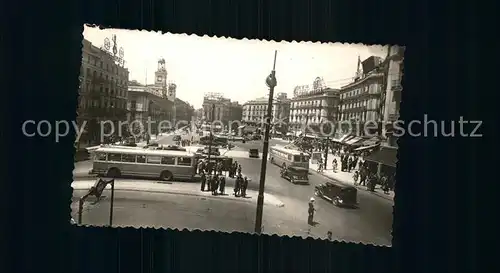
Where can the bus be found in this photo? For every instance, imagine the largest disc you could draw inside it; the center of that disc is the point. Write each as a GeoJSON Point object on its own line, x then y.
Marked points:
{"type": "Point", "coordinates": [163, 164]}
{"type": "Point", "coordinates": [285, 157]}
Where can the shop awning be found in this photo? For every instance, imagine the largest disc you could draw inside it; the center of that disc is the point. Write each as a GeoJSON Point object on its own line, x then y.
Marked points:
{"type": "Point", "coordinates": [241, 127]}
{"type": "Point", "coordinates": [289, 134]}
{"type": "Point", "coordinates": [371, 141]}
{"type": "Point", "coordinates": [385, 156]}
{"type": "Point", "coordinates": [366, 147]}
{"type": "Point", "coordinates": [354, 140]}
{"type": "Point", "coordinates": [344, 138]}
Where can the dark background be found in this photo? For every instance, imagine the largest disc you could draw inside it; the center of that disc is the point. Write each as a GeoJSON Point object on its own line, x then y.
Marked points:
{"type": "Point", "coordinates": [436, 201]}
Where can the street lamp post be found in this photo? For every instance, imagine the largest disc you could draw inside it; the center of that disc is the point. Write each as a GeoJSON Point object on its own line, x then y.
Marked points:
{"type": "Point", "coordinates": [271, 83]}
{"type": "Point", "coordinates": [212, 113]}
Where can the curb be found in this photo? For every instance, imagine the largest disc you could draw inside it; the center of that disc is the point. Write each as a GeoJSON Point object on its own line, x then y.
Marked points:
{"type": "Point", "coordinates": [200, 194]}
{"type": "Point", "coordinates": [341, 182]}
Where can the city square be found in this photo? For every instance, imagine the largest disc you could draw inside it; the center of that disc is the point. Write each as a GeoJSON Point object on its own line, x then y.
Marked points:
{"type": "Point", "coordinates": [281, 158]}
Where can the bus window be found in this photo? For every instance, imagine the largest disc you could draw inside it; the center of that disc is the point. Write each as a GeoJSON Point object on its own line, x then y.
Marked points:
{"type": "Point", "coordinates": [115, 157]}
{"type": "Point", "coordinates": [100, 156]}
{"type": "Point", "coordinates": [290, 157]}
{"type": "Point", "coordinates": [296, 158]}
{"type": "Point", "coordinates": [128, 158]}
{"type": "Point", "coordinates": [168, 160]}
{"type": "Point", "coordinates": [305, 158]}
{"type": "Point", "coordinates": [154, 159]}
{"type": "Point", "coordinates": [184, 161]}
{"type": "Point", "coordinates": [141, 159]}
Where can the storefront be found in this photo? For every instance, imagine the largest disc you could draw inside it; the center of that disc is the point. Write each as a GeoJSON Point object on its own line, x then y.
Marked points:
{"type": "Point", "coordinates": [385, 158]}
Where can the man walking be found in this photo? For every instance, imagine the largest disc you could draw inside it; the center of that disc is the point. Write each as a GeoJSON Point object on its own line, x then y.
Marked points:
{"type": "Point", "coordinates": [203, 181]}
{"type": "Point", "coordinates": [222, 185]}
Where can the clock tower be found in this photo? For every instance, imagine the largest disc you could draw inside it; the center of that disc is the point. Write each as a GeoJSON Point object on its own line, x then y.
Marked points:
{"type": "Point", "coordinates": [161, 76]}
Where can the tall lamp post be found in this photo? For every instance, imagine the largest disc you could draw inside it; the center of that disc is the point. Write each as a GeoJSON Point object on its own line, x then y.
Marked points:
{"type": "Point", "coordinates": [271, 83]}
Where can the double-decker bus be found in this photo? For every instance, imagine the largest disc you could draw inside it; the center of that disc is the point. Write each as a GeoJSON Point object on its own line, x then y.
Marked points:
{"type": "Point", "coordinates": [285, 157]}
{"type": "Point", "coordinates": [163, 164]}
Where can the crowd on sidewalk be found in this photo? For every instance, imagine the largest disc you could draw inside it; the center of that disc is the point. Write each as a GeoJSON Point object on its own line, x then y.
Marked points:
{"type": "Point", "coordinates": [346, 160]}
{"type": "Point", "coordinates": [213, 179]}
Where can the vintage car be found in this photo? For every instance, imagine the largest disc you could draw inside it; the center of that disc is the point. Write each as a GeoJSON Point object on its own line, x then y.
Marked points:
{"type": "Point", "coordinates": [253, 153]}
{"type": "Point", "coordinates": [296, 175]}
{"type": "Point", "coordinates": [339, 194]}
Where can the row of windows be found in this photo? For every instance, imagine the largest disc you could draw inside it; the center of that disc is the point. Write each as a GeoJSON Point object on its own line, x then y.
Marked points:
{"type": "Point", "coordinates": [127, 158]}
{"type": "Point", "coordinates": [87, 103]}
{"type": "Point", "coordinates": [110, 68]}
{"type": "Point", "coordinates": [308, 102]}
{"type": "Point", "coordinates": [105, 77]}
{"type": "Point", "coordinates": [112, 91]}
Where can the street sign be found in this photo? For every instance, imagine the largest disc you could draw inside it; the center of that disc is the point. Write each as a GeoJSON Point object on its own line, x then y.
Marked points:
{"type": "Point", "coordinates": [99, 187]}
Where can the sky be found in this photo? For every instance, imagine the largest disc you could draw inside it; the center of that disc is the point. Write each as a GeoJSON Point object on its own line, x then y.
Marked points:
{"type": "Point", "coordinates": [235, 68]}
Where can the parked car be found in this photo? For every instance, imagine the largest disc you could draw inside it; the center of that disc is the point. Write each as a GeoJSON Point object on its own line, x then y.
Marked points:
{"type": "Point", "coordinates": [253, 153]}
{"type": "Point", "coordinates": [294, 174]}
{"type": "Point", "coordinates": [339, 194]}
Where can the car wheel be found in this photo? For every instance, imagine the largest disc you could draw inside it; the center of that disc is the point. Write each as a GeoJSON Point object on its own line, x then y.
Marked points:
{"type": "Point", "coordinates": [292, 181]}
{"type": "Point", "coordinates": [317, 193]}
{"type": "Point", "coordinates": [336, 201]}
{"type": "Point", "coordinates": [166, 176]}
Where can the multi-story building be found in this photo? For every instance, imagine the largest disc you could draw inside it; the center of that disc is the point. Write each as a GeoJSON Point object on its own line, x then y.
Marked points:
{"type": "Point", "coordinates": [384, 159]}
{"type": "Point", "coordinates": [103, 90]}
{"type": "Point", "coordinates": [235, 114]}
{"type": "Point", "coordinates": [145, 103]}
{"type": "Point", "coordinates": [184, 112]}
{"type": "Point", "coordinates": [392, 96]}
{"type": "Point", "coordinates": [222, 106]}
{"type": "Point", "coordinates": [314, 107]}
{"type": "Point", "coordinates": [255, 111]}
{"type": "Point", "coordinates": [361, 99]}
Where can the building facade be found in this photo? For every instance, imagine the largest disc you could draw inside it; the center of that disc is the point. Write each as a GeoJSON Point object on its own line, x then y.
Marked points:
{"type": "Point", "coordinates": [222, 107]}
{"type": "Point", "coordinates": [314, 108]}
{"type": "Point", "coordinates": [103, 90]}
{"type": "Point", "coordinates": [392, 95]}
{"type": "Point", "coordinates": [255, 111]}
{"type": "Point", "coordinates": [183, 111]}
{"type": "Point", "coordinates": [235, 114]}
{"type": "Point", "coordinates": [361, 100]}
{"type": "Point", "coordinates": [145, 104]}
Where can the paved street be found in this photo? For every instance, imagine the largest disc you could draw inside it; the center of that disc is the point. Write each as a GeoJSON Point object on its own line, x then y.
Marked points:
{"type": "Point", "coordinates": [372, 221]}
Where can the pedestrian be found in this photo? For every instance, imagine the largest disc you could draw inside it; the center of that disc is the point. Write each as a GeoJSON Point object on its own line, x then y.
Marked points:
{"type": "Point", "coordinates": [311, 211]}
{"type": "Point", "coordinates": [203, 181]}
{"type": "Point", "coordinates": [385, 184]}
{"type": "Point", "coordinates": [222, 185]}
{"type": "Point", "coordinates": [200, 167]}
{"type": "Point", "coordinates": [239, 168]}
{"type": "Point", "coordinates": [355, 177]}
{"type": "Point", "coordinates": [215, 185]}
{"type": "Point", "coordinates": [209, 181]}
{"type": "Point", "coordinates": [334, 164]}
{"type": "Point", "coordinates": [329, 235]}
{"type": "Point", "coordinates": [362, 177]}
{"type": "Point", "coordinates": [237, 186]}
{"type": "Point", "coordinates": [244, 187]}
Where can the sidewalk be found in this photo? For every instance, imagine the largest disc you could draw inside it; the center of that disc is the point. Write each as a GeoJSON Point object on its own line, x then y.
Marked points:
{"type": "Point", "coordinates": [192, 189]}
{"type": "Point", "coordinates": [346, 177]}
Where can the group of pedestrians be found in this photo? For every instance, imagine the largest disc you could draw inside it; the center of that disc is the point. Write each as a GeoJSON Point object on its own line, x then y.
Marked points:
{"type": "Point", "coordinates": [215, 183]}
{"type": "Point", "coordinates": [370, 179]}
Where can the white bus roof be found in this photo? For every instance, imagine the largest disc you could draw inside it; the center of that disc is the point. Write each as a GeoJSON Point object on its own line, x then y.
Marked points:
{"type": "Point", "coordinates": [143, 151]}
{"type": "Point", "coordinates": [290, 151]}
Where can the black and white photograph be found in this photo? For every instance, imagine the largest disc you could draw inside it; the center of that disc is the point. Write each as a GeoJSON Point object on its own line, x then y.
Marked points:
{"type": "Point", "coordinates": [204, 133]}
